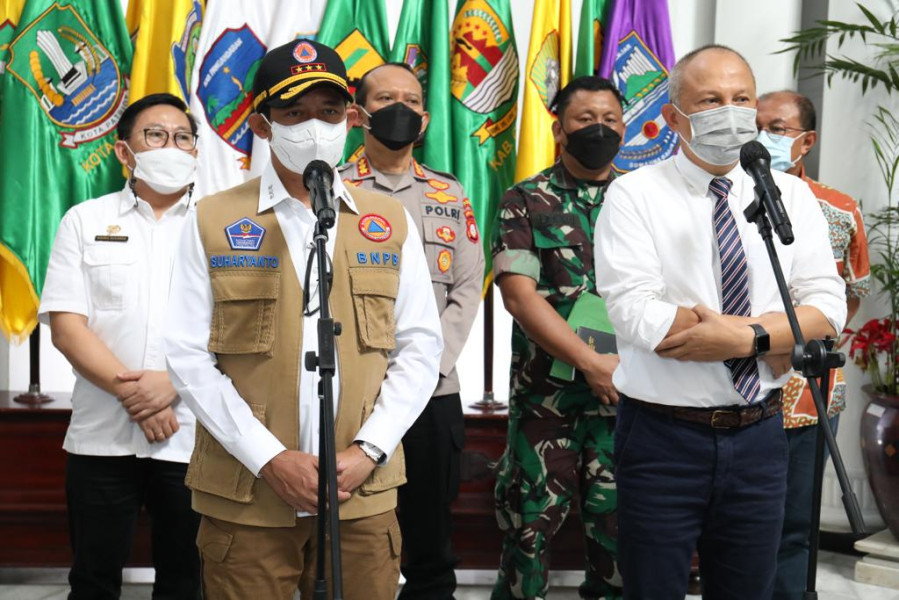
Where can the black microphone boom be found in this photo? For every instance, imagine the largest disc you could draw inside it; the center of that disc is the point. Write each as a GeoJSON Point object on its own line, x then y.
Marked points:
{"type": "Point", "coordinates": [318, 177]}
{"type": "Point", "coordinates": [755, 160]}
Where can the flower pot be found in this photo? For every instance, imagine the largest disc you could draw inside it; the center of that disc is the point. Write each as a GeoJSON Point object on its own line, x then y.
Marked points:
{"type": "Point", "coordinates": [880, 449]}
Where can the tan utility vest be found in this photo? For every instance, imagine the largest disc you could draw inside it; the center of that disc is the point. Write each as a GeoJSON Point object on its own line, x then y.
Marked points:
{"type": "Point", "coordinates": [257, 331]}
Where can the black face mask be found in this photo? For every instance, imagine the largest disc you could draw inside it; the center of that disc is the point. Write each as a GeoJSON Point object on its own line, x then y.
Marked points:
{"type": "Point", "coordinates": [594, 146]}
{"type": "Point", "coordinates": [396, 126]}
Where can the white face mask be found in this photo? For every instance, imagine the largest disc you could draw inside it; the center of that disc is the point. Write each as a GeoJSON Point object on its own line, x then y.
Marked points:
{"type": "Point", "coordinates": [718, 134]}
{"type": "Point", "coordinates": [165, 170]}
{"type": "Point", "coordinates": [298, 145]}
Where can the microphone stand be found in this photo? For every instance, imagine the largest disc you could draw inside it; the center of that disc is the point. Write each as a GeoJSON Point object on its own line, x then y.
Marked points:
{"type": "Point", "coordinates": [325, 361]}
{"type": "Point", "coordinates": [814, 360]}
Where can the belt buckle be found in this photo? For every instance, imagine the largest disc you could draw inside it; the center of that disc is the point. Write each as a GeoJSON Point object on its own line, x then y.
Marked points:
{"type": "Point", "coordinates": [724, 419]}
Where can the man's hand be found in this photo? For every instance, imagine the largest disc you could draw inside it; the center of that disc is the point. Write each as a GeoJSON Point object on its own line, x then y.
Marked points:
{"type": "Point", "coordinates": [599, 376]}
{"type": "Point", "coordinates": [160, 426]}
{"type": "Point", "coordinates": [149, 392]}
{"type": "Point", "coordinates": [716, 338]}
{"type": "Point", "coordinates": [293, 475]}
{"type": "Point", "coordinates": [779, 363]}
{"type": "Point", "coordinates": [353, 467]}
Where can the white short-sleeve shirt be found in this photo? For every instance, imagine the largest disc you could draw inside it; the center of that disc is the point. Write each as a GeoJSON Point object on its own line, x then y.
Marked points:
{"type": "Point", "coordinates": [112, 262]}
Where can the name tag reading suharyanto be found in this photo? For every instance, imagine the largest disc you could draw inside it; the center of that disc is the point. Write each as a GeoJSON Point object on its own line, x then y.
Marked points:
{"type": "Point", "coordinates": [110, 238]}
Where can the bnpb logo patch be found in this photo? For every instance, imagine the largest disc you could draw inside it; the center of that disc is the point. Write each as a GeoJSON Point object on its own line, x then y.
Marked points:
{"type": "Point", "coordinates": [375, 228]}
{"type": "Point", "coordinates": [245, 235]}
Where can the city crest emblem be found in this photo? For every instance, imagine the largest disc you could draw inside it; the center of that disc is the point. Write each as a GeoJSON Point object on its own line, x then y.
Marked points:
{"type": "Point", "coordinates": [184, 51]}
{"type": "Point", "coordinates": [71, 74]}
{"type": "Point", "coordinates": [225, 87]}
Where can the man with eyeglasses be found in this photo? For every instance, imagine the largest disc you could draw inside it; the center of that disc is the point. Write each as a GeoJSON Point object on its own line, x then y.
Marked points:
{"type": "Point", "coordinates": [786, 122]}
{"type": "Point", "coordinates": [105, 297]}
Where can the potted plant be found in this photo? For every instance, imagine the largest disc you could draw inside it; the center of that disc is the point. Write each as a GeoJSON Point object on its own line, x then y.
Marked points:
{"type": "Point", "coordinates": [875, 345]}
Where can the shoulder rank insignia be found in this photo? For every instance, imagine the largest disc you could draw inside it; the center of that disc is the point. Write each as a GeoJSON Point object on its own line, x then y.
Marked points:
{"type": "Point", "coordinates": [439, 194]}
{"type": "Point", "coordinates": [444, 261]}
{"type": "Point", "coordinates": [375, 228]}
{"type": "Point", "coordinates": [446, 234]}
{"type": "Point", "coordinates": [362, 168]}
{"type": "Point", "coordinates": [416, 168]}
{"type": "Point", "coordinates": [245, 235]}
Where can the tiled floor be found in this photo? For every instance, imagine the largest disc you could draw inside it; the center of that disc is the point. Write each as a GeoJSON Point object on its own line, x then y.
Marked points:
{"type": "Point", "coordinates": [835, 582]}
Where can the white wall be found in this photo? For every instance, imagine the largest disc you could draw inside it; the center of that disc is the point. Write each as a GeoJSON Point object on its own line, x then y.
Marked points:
{"type": "Point", "coordinates": [753, 28]}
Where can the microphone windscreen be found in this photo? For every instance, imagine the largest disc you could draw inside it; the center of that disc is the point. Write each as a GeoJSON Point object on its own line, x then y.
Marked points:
{"type": "Point", "coordinates": [320, 168]}
{"type": "Point", "coordinates": [751, 152]}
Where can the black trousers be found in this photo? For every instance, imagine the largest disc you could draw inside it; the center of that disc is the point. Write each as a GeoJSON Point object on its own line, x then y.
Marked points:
{"type": "Point", "coordinates": [104, 495]}
{"type": "Point", "coordinates": [433, 447]}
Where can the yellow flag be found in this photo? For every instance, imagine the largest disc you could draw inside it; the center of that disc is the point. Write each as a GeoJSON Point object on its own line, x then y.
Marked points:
{"type": "Point", "coordinates": [165, 35]}
{"type": "Point", "coordinates": [548, 69]}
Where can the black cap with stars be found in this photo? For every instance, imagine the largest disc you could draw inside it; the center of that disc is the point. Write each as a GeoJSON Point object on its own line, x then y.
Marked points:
{"type": "Point", "coordinates": [289, 70]}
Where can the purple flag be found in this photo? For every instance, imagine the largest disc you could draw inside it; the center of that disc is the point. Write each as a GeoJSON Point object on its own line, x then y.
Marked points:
{"type": "Point", "coordinates": [636, 56]}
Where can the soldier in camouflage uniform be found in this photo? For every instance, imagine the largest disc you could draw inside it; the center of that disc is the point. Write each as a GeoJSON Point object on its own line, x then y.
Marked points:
{"type": "Point", "coordinates": [391, 110]}
{"type": "Point", "coordinates": [560, 436]}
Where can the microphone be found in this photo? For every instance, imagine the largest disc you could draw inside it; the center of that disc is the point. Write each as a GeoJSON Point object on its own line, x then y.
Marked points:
{"type": "Point", "coordinates": [318, 179]}
{"type": "Point", "coordinates": [756, 161]}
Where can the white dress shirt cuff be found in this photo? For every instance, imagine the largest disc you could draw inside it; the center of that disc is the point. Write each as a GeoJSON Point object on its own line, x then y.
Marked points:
{"type": "Point", "coordinates": [658, 317]}
{"type": "Point", "coordinates": [256, 447]}
{"type": "Point", "coordinates": [381, 432]}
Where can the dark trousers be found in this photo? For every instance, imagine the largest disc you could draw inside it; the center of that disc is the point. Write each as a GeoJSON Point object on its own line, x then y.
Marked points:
{"type": "Point", "coordinates": [433, 446]}
{"type": "Point", "coordinates": [104, 495]}
{"type": "Point", "coordinates": [792, 556]}
{"type": "Point", "coordinates": [683, 486]}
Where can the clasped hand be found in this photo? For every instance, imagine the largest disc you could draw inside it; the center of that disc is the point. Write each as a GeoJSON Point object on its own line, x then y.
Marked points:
{"type": "Point", "coordinates": [716, 337]}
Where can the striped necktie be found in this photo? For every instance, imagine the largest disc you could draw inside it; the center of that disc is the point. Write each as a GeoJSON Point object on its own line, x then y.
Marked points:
{"type": "Point", "coordinates": [734, 284]}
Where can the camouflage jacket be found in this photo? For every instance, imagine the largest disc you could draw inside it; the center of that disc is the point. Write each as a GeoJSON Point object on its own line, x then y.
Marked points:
{"type": "Point", "coordinates": [544, 230]}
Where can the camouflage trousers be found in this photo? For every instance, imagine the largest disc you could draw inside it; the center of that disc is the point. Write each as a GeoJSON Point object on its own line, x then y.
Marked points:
{"type": "Point", "coordinates": [558, 451]}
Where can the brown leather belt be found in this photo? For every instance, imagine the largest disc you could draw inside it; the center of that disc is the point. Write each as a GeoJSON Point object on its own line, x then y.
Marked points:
{"type": "Point", "coordinates": [728, 417]}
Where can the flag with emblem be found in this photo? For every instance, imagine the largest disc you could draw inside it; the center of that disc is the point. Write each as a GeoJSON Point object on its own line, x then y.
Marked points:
{"type": "Point", "coordinates": [234, 38]}
{"type": "Point", "coordinates": [10, 11]}
{"type": "Point", "coordinates": [636, 57]}
{"type": "Point", "coordinates": [422, 42]}
{"type": "Point", "coordinates": [64, 89]}
{"type": "Point", "coordinates": [484, 87]}
{"type": "Point", "coordinates": [548, 70]}
{"type": "Point", "coordinates": [590, 36]}
{"type": "Point", "coordinates": [357, 30]}
{"type": "Point", "coordinates": [165, 36]}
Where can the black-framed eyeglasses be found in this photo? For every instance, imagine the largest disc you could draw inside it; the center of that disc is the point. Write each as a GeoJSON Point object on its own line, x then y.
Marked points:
{"type": "Point", "coordinates": [158, 138]}
{"type": "Point", "coordinates": [781, 129]}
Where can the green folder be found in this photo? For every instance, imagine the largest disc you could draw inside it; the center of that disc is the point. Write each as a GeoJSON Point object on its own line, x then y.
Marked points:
{"type": "Point", "coordinates": [590, 320]}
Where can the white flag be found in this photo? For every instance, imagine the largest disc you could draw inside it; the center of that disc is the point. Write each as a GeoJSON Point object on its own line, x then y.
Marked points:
{"type": "Point", "coordinates": [235, 37]}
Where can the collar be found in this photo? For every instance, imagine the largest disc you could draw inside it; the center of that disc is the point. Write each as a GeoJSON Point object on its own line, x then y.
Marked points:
{"type": "Point", "coordinates": [272, 191]}
{"type": "Point", "coordinates": [364, 170]}
{"type": "Point", "coordinates": [697, 178]}
{"type": "Point", "coordinates": [129, 201]}
{"type": "Point", "coordinates": [560, 177]}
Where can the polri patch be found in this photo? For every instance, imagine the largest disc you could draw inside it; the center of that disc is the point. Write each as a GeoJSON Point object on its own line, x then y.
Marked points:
{"type": "Point", "coordinates": [444, 261]}
{"type": "Point", "coordinates": [375, 228]}
{"type": "Point", "coordinates": [245, 235]}
{"type": "Point", "coordinates": [446, 234]}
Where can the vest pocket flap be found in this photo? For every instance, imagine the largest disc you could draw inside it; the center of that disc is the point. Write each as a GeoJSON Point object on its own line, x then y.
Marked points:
{"type": "Point", "coordinates": [215, 471]}
{"type": "Point", "coordinates": [241, 285]}
{"type": "Point", "coordinates": [391, 475]}
{"type": "Point", "coordinates": [375, 281]}
{"type": "Point", "coordinates": [243, 317]}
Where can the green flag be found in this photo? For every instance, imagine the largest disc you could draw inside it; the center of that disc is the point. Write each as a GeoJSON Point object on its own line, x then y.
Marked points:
{"type": "Point", "coordinates": [589, 37]}
{"type": "Point", "coordinates": [484, 109]}
{"type": "Point", "coordinates": [422, 42]}
{"type": "Point", "coordinates": [63, 93]}
{"type": "Point", "coordinates": [357, 30]}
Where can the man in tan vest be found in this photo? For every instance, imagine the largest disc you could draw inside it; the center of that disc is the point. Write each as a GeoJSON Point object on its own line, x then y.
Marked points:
{"type": "Point", "coordinates": [239, 328]}
{"type": "Point", "coordinates": [391, 109]}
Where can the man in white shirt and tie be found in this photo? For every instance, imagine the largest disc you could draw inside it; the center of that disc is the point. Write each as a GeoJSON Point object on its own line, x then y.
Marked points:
{"type": "Point", "coordinates": [703, 342]}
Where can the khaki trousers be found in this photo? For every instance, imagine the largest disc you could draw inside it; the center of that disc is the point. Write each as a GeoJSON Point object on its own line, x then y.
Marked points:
{"type": "Point", "coordinates": [243, 562]}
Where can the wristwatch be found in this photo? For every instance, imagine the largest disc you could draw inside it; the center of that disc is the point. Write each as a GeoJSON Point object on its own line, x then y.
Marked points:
{"type": "Point", "coordinates": [371, 451]}
{"type": "Point", "coordinates": [762, 340]}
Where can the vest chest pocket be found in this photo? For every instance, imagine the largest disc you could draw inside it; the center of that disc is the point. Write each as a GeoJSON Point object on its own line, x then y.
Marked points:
{"type": "Point", "coordinates": [374, 292]}
{"type": "Point", "coordinates": [243, 318]}
{"type": "Point", "coordinates": [109, 269]}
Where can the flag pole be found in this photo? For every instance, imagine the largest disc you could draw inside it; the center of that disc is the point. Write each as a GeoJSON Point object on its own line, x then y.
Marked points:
{"type": "Point", "coordinates": [33, 395]}
{"type": "Point", "coordinates": [488, 403]}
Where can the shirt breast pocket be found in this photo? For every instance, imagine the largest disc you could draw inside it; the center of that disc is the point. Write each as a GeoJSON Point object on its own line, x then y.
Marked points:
{"type": "Point", "coordinates": [109, 269]}
{"type": "Point", "coordinates": [566, 256]}
{"type": "Point", "coordinates": [439, 241]}
{"type": "Point", "coordinates": [243, 317]}
{"type": "Point", "coordinates": [374, 292]}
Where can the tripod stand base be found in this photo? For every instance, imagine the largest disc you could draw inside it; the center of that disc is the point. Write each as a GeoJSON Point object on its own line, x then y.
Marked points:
{"type": "Point", "coordinates": [33, 396]}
